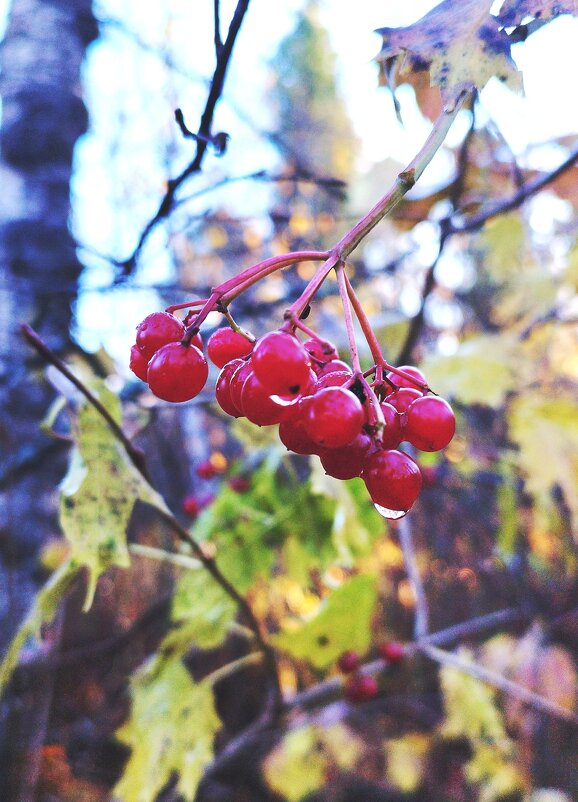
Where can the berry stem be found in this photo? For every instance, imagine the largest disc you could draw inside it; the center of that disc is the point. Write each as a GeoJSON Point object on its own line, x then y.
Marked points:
{"type": "Point", "coordinates": [235, 326]}
{"type": "Point", "coordinates": [368, 332]}
{"type": "Point", "coordinates": [264, 268]}
{"type": "Point", "coordinates": [348, 317]}
{"type": "Point", "coordinates": [186, 305]}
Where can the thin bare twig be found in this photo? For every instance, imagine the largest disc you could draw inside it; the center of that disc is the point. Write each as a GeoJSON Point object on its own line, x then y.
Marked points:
{"type": "Point", "coordinates": [421, 622]}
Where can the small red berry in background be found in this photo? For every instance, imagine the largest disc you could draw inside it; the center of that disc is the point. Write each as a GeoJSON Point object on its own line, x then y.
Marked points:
{"type": "Point", "coordinates": [225, 344]}
{"type": "Point", "coordinates": [349, 661]}
{"type": "Point", "coordinates": [360, 688]}
{"type": "Point", "coordinates": [239, 484]}
{"type": "Point", "coordinates": [392, 652]}
{"type": "Point", "coordinates": [205, 470]}
{"type": "Point", "coordinates": [191, 506]}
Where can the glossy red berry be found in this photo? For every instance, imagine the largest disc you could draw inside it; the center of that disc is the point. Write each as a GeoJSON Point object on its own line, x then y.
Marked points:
{"type": "Point", "coordinates": [177, 372]}
{"type": "Point", "coordinates": [191, 506]}
{"type": "Point", "coordinates": [401, 399]}
{"type": "Point", "coordinates": [392, 652]}
{"type": "Point", "coordinates": [332, 367]}
{"type": "Point", "coordinates": [236, 385]}
{"type": "Point", "coordinates": [138, 363]}
{"type": "Point", "coordinates": [347, 462]}
{"type": "Point", "coordinates": [334, 417]}
{"type": "Point", "coordinates": [293, 433]}
{"type": "Point", "coordinates": [348, 661]}
{"type": "Point", "coordinates": [336, 378]}
{"type": "Point", "coordinates": [281, 363]}
{"type": "Point", "coordinates": [156, 330]}
{"type": "Point", "coordinates": [321, 351]}
{"type": "Point", "coordinates": [430, 423]}
{"type": "Point", "coordinates": [223, 388]}
{"type": "Point", "coordinates": [413, 372]}
{"type": "Point", "coordinates": [393, 480]}
{"type": "Point", "coordinates": [360, 688]}
{"type": "Point", "coordinates": [257, 404]}
{"type": "Point", "coordinates": [225, 344]}
{"type": "Point", "coordinates": [206, 470]}
{"type": "Point", "coordinates": [392, 433]}
{"type": "Point", "coordinates": [239, 484]}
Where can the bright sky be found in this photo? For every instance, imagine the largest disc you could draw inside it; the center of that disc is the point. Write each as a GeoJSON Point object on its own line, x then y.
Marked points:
{"type": "Point", "coordinates": [115, 69]}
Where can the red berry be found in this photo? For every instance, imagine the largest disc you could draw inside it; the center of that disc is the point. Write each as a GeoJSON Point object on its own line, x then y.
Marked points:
{"type": "Point", "coordinates": [336, 378]}
{"type": "Point", "coordinates": [334, 417]}
{"type": "Point", "coordinates": [157, 330]}
{"type": "Point", "coordinates": [347, 462]}
{"type": "Point", "coordinates": [225, 344]}
{"type": "Point", "coordinates": [332, 367]}
{"type": "Point", "coordinates": [400, 381]}
{"type": "Point", "coordinates": [401, 399]}
{"type": "Point", "coordinates": [393, 480]}
{"type": "Point", "coordinates": [392, 433]}
{"type": "Point", "coordinates": [197, 342]}
{"type": "Point", "coordinates": [223, 388]}
{"type": "Point", "coordinates": [257, 404]}
{"type": "Point", "coordinates": [348, 661]}
{"type": "Point", "coordinates": [236, 385]}
{"type": "Point", "coordinates": [430, 423]}
{"type": "Point", "coordinates": [360, 688]}
{"type": "Point", "coordinates": [177, 372]}
{"type": "Point", "coordinates": [191, 506]}
{"type": "Point", "coordinates": [320, 350]}
{"type": "Point", "coordinates": [293, 434]}
{"type": "Point", "coordinates": [392, 652]}
{"type": "Point", "coordinates": [239, 484]}
{"type": "Point", "coordinates": [138, 363]}
{"type": "Point", "coordinates": [281, 363]}
{"type": "Point", "coordinates": [429, 475]}
{"type": "Point", "coordinates": [206, 470]}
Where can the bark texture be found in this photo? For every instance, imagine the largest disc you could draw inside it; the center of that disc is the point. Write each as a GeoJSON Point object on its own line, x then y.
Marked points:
{"type": "Point", "coordinates": [43, 115]}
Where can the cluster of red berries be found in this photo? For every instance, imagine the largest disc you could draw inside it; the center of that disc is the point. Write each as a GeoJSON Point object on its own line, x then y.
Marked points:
{"type": "Point", "coordinates": [320, 405]}
{"type": "Point", "coordinates": [360, 687]}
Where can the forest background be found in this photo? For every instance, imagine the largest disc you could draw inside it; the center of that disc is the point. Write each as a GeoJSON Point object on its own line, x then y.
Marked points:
{"type": "Point", "coordinates": [160, 688]}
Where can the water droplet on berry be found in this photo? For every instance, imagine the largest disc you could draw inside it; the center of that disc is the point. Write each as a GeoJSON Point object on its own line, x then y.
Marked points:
{"type": "Point", "coordinates": [392, 514]}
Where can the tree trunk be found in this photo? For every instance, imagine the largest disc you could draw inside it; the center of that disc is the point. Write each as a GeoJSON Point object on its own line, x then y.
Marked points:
{"type": "Point", "coordinates": [42, 117]}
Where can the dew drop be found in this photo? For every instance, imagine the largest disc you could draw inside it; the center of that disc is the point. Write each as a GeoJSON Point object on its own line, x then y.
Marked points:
{"type": "Point", "coordinates": [391, 514]}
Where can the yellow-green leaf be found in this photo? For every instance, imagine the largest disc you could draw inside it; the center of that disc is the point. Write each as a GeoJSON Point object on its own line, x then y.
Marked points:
{"type": "Point", "coordinates": [202, 611]}
{"type": "Point", "coordinates": [343, 622]}
{"type": "Point", "coordinates": [407, 760]}
{"type": "Point", "coordinates": [546, 432]}
{"type": "Point", "coordinates": [98, 494]}
{"type": "Point", "coordinates": [460, 43]}
{"type": "Point", "coordinates": [482, 371]}
{"type": "Point", "coordinates": [171, 728]}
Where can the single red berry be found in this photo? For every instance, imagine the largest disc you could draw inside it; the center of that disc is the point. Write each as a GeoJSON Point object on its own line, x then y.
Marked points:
{"type": "Point", "coordinates": [349, 661]}
{"type": "Point", "coordinates": [191, 506]}
{"type": "Point", "coordinates": [360, 688]}
{"type": "Point", "coordinates": [223, 388]}
{"type": "Point", "coordinates": [392, 652]}
{"type": "Point", "coordinates": [239, 484]}
{"type": "Point", "coordinates": [257, 404]}
{"type": "Point", "coordinates": [281, 363]}
{"type": "Point", "coordinates": [335, 379]}
{"type": "Point", "coordinates": [177, 372]}
{"type": "Point", "coordinates": [347, 462]}
{"type": "Point", "coordinates": [430, 423]}
{"type": "Point", "coordinates": [401, 399]}
{"type": "Point", "coordinates": [292, 431]}
{"type": "Point", "coordinates": [401, 381]}
{"type": "Point", "coordinates": [138, 363]}
{"type": "Point", "coordinates": [156, 330]}
{"type": "Point", "coordinates": [334, 417]}
{"type": "Point", "coordinates": [332, 367]}
{"type": "Point", "coordinates": [206, 470]}
{"type": "Point", "coordinates": [236, 385]}
{"type": "Point", "coordinates": [392, 433]}
{"type": "Point", "coordinates": [320, 350]}
{"type": "Point", "coordinates": [225, 344]}
{"type": "Point", "coordinates": [429, 475]}
{"type": "Point", "coordinates": [393, 480]}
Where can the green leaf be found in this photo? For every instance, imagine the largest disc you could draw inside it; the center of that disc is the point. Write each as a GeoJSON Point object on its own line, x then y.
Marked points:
{"type": "Point", "coordinates": [545, 430]}
{"type": "Point", "coordinates": [98, 494]}
{"type": "Point", "coordinates": [503, 242]}
{"type": "Point", "coordinates": [171, 728]}
{"type": "Point", "coordinates": [343, 622]}
{"type": "Point", "coordinates": [298, 765]}
{"type": "Point", "coordinates": [461, 43]}
{"type": "Point", "coordinates": [482, 371]}
{"type": "Point", "coordinates": [42, 612]}
{"type": "Point", "coordinates": [202, 611]}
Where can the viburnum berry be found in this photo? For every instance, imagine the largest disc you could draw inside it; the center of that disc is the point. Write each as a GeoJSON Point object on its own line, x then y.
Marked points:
{"type": "Point", "coordinates": [348, 661]}
{"type": "Point", "coordinates": [332, 367]}
{"type": "Point", "coordinates": [239, 484]}
{"type": "Point", "coordinates": [334, 417]}
{"type": "Point", "coordinates": [257, 404]}
{"type": "Point", "coordinates": [281, 363]}
{"type": "Point", "coordinates": [293, 433]}
{"type": "Point", "coordinates": [223, 388]}
{"type": "Point", "coordinates": [360, 688]}
{"type": "Point", "coordinates": [156, 330]}
{"type": "Point", "coordinates": [336, 378]}
{"type": "Point", "coordinates": [177, 372]}
{"type": "Point", "coordinates": [392, 433]}
{"type": "Point", "coordinates": [191, 506]}
{"type": "Point", "coordinates": [225, 344]}
{"type": "Point", "coordinates": [320, 350]}
{"type": "Point", "coordinates": [401, 381]}
{"type": "Point", "coordinates": [391, 652]}
{"type": "Point", "coordinates": [138, 363]}
{"type": "Point", "coordinates": [401, 399]}
{"type": "Point", "coordinates": [393, 481]}
{"type": "Point", "coordinates": [430, 423]}
{"type": "Point", "coordinates": [347, 462]}
{"type": "Point", "coordinates": [238, 378]}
